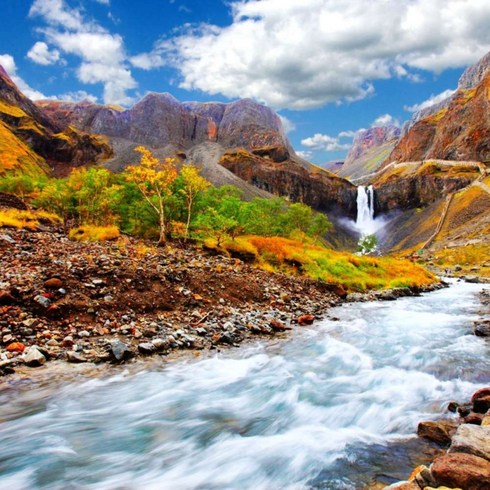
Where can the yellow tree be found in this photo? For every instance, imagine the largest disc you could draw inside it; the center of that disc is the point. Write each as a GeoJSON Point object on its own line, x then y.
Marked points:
{"type": "Point", "coordinates": [154, 179]}
{"type": "Point", "coordinates": [193, 185]}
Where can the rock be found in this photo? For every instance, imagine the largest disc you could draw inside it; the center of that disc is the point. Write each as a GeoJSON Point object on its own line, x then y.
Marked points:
{"type": "Point", "coordinates": [486, 420]}
{"type": "Point", "coordinates": [474, 418]}
{"type": "Point", "coordinates": [277, 325]}
{"type": "Point", "coordinates": [439, 431]}
{"type": "Point", "coordinates": [75, 357]}
{"type": "Point", "coordinates": [422, 477]}
{"type": "Point", "coordinates": [159, 344]}
{"type": "Point", "coordinates": [482, 329]}
{"type": "Point", "coordinates": [147, 348]}
{"type": "Point", "coordinates": [464, 471]}
{"type": "Point", "coordinates": [16, 347]}
{"type": "Point", "coordinates": [6, 298]}
{"type": "Point", "coordinates": [306, 320]}
{"type": "Point", "coordinates": [53, 283]}
{"type": "Point", "coordinates": [472, 439]}
{"type": "Point", "coordinates": [33, 357]}
{"type": "Point", "coordinates": [481, 400]}
{"type": "Point", "coordinates": [403, 485]}
{"type": "Point", "coordinates": [42, 300]}
{"type": "Point", "coordinates": [120, 351]}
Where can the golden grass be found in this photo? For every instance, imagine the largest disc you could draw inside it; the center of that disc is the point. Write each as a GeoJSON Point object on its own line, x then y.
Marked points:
{"type": "Point", "coordinates": [91, 233]}
{"type": "Point", "coordinates": [355, 273]}
{"type": "Point", "coordinates": [468, 257]}
{"type": "Point", "coordinates": [30, 220]}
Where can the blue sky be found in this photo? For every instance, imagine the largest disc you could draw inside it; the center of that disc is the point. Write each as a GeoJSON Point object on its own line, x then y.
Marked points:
{"type": "Point", "coordinates": [330, 67]}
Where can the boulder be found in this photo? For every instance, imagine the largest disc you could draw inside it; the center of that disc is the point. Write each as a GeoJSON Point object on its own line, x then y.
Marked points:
{"type": "Point", "coordinates": [439, 431]}
{"type": "Point", "coordinates": [53, 283]}
{"type": "Point", "coordinates": [16, 347]}
{"type": "Point", "coordinates": [462, 471]}
{"type": "Point", "coordinates": [474, 418]}
{"type": "Point", "coordinates": [147, 348]}
{"type": "Point", "coordinates": [481, 400]}
{"type": "Point", "coordinates": [306, 319]}
{"type": "Point", "coordinates": [6, 298]}
{"type": "Point", "coordinates": [472, 439]}
{"type": "Point", "coordinates": [403, 485]}
{"type": "Point", "coordinates": [33, 357]}
{"type": "Point", "coordinates": [482, 329]}
{"type": "Point", "coordinates": [75, 357]}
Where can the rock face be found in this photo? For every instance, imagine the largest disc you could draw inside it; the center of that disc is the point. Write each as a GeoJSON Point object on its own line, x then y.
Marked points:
{"type": "Point", "coordinates": [160, 119]}
{"type": "Point", "coordinates": [472, 439]}
{"type": "Point", "coordinates": [369, 150]}
{"type": "Point", "coordinates": [459, 130]}
{"type": "Point", "coordinates": [29, 138]}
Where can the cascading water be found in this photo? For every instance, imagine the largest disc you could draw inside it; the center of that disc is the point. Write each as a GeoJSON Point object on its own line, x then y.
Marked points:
{"type": "Point", "coordinates": [334, 407]}
{"type": "Point", "coordinates": [365, 210]}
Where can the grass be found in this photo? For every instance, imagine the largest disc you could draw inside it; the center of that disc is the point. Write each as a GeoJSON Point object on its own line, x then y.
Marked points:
{"type": "Point", "coordinates": [29, 220]}
{"type": "Point", "coordinates": [91, 233]}
{"type": "Point", "coordinates": [467, 257]}
{"type": "Point", "coordinates": [317, 262]}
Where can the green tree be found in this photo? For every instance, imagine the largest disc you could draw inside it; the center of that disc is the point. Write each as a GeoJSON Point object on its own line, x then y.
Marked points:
{"type": "Point", "coordinates": [367, 244]}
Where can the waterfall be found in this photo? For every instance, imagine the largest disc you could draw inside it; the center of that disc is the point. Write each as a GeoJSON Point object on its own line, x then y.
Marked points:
{"type": "Point", "coordinates": [365, 210]}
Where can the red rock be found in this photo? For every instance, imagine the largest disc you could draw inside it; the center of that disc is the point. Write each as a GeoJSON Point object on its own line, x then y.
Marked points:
{"type": "Point", "coordinates": [439, 431]}
{"type": "Point", "coordinates": [53, 283]}
{"type": "Point", "coordinates": [6, 298]}
{"type": "Point", "coordinates": [277, 325]}
{"type": "Point", "coordinates": [16, 347]}
{"type": "Point", "coordinates": [459, 470]}
{"type": "Point", "coordinates": [306, 319]}
{"type": "Point", "coordinates": [481, 400]}
{"type": "Point", "coordinates": [474, 418]}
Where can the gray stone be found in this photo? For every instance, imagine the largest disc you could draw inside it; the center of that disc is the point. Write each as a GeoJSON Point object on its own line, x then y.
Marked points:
{"type": "Point", "coordinates": [75, 357]}
{"type": "Point", "coordinates": [33, 357]}
{"type": "Point", "coordinates": [120, 351]}
{"type": "Point", "coordinates": [159, 344]}
{"type": "Point", "coordinates": [147, 348]}
{"type": "Point", "coordinates": [472, 439]}
{"type": "Point", "coordinates": [42, 300]}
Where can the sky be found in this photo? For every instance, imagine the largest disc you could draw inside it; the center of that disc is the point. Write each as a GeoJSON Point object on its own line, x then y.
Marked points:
{"type": "Point", "coordinates": [328, 67]}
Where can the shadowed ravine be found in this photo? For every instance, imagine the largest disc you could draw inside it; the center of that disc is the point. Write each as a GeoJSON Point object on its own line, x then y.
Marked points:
{"type": "Point", "coordinates": [333, 407]}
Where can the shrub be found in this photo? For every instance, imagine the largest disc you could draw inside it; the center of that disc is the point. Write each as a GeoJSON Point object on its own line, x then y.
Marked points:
{"type": "Point", "coordinates": [89, 233]}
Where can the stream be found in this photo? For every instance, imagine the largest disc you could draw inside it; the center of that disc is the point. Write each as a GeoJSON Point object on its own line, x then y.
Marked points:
{"type": "Point", "coordinates": [334, 406]}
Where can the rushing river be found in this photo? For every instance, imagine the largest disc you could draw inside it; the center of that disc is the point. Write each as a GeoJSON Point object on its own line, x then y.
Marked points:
{"type": "Point", "coordinates": [333, 407]}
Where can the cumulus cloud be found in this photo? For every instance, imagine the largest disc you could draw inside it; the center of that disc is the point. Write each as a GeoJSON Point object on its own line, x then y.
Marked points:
{"type": "Point", "coordinates": [102, 54]}
{"type": "Point", "coordinates": [41, 54]}
{"type": "Point", "coordinates": [301, 55]}
{"type": "Point", "coordinates": [287, 124]}
{"type": "Point", "coordinates": [385, 120]}
{"type": "Point", "coordinates": [78, 96]}
{"type": "Point", "coordinates": [307, 155]}
{"type": "Point", "coordinates": [433, 99]}
{"type": "Point", "coordinates": [324, 142]}
{"type": "Point", "coordinates": [8, 62]}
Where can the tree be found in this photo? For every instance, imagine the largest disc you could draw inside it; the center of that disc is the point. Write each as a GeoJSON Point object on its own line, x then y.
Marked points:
{"type": "Point", "coordinates": [217, 225]}
{"type": "Point", "coordinates": [194, 184]}
{"type": "Point", "coordinates": [154, 179]}
{"type": "Point", "coordinates": [367, 244]}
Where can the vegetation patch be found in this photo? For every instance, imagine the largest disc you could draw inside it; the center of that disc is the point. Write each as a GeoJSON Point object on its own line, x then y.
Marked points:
{"type": "Point", "coordinates": [94, 233]}
{"type": "Point", "coordinates": [29, 220]}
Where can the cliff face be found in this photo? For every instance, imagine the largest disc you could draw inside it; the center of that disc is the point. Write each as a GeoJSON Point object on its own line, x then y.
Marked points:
{"type": "Point", "coordinates": [369, 149]}
{"type": "Point", "coordinates": [459, 130]}
{"type": "Point", "coordinates": [30, 139]}
{"type": "Point", "coordinates": [315, 187]}
{"type": "Point", "coordinates": [159, 120]}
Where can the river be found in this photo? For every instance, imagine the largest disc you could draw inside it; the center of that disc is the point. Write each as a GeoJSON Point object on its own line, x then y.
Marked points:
{"type": "Point", "coordinates": [334, 406]}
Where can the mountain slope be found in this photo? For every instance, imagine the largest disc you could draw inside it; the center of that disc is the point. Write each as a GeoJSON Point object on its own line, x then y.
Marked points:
{"type": "Point", "coordinates": [31, 142]}
{"type": "Point", "coordinates": [241, 143]}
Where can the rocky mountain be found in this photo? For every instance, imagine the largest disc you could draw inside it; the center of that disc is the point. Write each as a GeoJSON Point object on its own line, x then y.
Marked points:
{"type": "Point", "coordinates": [32, 142]}
{"type": "Point", "coordinates": [369, 149]}
{"type": "Point", "coordinates": [241, 143]}
{"type": "Point", "coordinates": [458, 131]}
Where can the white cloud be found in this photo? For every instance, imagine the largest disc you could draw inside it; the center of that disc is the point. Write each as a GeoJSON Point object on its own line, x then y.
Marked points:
{"type": "Point", "coordinates": [324, 142]}
{"type": "Point", "coordinates": [385, 120]}
{"type": "Point", "coordinates": [147, 61]}
{"type": "Point", "coordinates": [349, 134]}
{"type": "Point", "coordinates": [8, 62]}
{"type": "Point", "coordinates": [78, 96]}
{"type": "Point", "coordinates": [102, 54]}
{"type": "Point", "coordinates": [307, 155]}
{"type": "Point", "coordinates": [301, 55]}
{"type": "Point", "coordinates": [287, 124]}
{"type": "Point", "coordinates": [433, 99]}
{"type": "Point", "coordinates": [40, 54]}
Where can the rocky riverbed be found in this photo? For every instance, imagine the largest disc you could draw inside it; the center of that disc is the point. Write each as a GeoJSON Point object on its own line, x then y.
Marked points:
{"type": "Point", "coordinates": [466, 436]}
{"type": "Point", "coordinates": [110, 302]}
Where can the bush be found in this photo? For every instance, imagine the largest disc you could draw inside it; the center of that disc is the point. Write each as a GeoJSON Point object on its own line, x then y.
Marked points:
{"type": "Point", "coordinates": [88, 233]}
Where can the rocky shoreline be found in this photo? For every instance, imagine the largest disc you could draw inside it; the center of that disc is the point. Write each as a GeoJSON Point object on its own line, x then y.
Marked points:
{"type": "Point", "coordinates": [117, 301]}
{"type": "Point", "coordinates": [465, 465]}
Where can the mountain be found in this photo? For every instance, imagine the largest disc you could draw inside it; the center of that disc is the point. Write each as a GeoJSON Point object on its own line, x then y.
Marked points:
{"type": "Point", "coordinates": [32, 142]}
{"type": "Point", "coordinates": [241, 143]}
{"type": "Point", "coordinates": [459, 130]}
{"type": "Point", "coordinates": [368, 151]}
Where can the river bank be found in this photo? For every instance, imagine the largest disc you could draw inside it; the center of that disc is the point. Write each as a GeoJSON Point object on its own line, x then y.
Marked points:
{"type": "Point", "coordinates": [335, 405]}
{"type": "Point", "coordinates": [112, 302]}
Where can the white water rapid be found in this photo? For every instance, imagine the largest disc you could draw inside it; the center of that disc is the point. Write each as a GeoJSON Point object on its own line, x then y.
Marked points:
{"type": "Point", "coordinates": [365, 222]}
{"type": "Point", "coordinates": [335, 406]}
